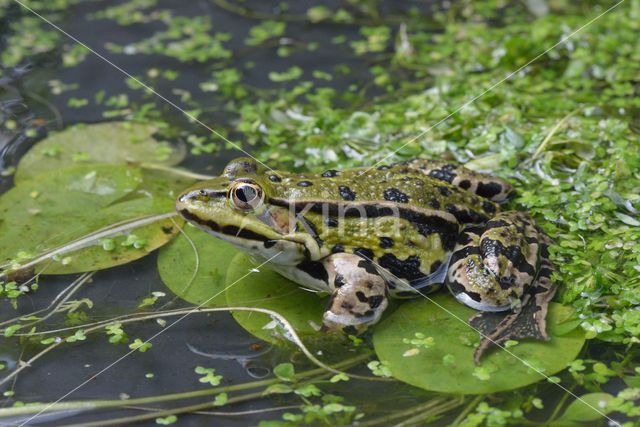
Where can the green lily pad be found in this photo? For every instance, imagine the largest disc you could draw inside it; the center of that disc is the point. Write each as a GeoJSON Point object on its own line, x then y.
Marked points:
{"type": "Point", "coordinates": [267, 289]}
{"type": "Point", "coordinates": [123, 247]}
{"type": "Point", "coordinates": [582, 411]}
{"type": "Point", "coordinates": [113, 143]}
{"type": "Point", "coordinates": [428, 347]}
{"type": "Point", "coordinates": [60, 206]}
{"type": "Point", "coordinates": [177, 265]}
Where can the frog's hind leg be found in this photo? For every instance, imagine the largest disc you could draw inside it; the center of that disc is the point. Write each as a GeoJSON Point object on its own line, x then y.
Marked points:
{"type": "Point", "coordinates": [359, 293]}
{"type": "Point", "coordinates": [503, 269]}
{"type": "Point", "coordinates": [484, 185]}
{"type": "Point", "coordinates": [527, 322]}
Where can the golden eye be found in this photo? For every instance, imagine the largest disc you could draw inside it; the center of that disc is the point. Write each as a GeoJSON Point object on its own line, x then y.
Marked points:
{"type": "Point", "coordinates": [246, 196]}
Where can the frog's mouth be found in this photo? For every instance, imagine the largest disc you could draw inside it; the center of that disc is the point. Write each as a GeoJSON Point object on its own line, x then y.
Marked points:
{"type": "Point", "coordinates": [220, 230]}
{"type": "Point", "coordinates": [211, 213]}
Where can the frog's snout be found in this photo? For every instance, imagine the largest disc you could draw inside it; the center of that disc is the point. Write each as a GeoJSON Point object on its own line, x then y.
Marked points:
{"type": "Point", "coordinates": [202, 196]}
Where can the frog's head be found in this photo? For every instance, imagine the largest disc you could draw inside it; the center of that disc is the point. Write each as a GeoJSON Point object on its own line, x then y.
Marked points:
{"type": "Point", "coordinates": [235, 207]}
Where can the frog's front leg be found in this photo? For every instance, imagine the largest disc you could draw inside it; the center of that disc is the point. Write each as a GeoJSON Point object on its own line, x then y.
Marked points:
{"type": "Point", "coordinates": [503, 266]}
{"type": "Point", "coordinates": [359, 293]}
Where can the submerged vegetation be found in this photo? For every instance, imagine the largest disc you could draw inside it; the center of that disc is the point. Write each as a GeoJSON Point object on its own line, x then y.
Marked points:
{"type": "Point", "coordinates": [543, 93]}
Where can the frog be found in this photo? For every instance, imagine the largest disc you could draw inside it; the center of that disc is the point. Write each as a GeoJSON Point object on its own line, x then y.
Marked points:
{"type": "Point", "coordinates": [402, 230]}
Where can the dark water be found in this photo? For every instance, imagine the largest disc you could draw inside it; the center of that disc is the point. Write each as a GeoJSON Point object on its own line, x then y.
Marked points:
{"type": "Point", "coordinates": [25, 95]}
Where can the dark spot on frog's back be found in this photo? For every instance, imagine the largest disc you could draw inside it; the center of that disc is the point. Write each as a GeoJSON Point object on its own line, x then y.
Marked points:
{"type": "Point", "coordinates": [386, 242]}
{"type": "Point", "coordinates": [330, 173]}
{"type": "Point", "coordinates": [395, 195]}
{"type": "Point", "coordinates": [339, 280]}
{"type": "Point", "coordinates": [314, 269]}
{"type": "Point", "coordinates": [465, 184]}
{"type": "Point", "coordinates": [346, 193]}
{"type": "Point", "coordinates": [434, 203]}
{"type": "Point", "coordinates": [488, 207]}
{"type": "Point", "coordinates": [363, 252]}
{"type": "Point", "coordinates": [465, 215]}
{"type": "Point", "coordinates": [305, 184]}
{"type": "Point", "coordinates": [445, 173]}
{"type": "Point", "coordinates": [408, 269]}
{"type": "Point", "coordinates": [488, 189]}
{"type": "Point", "coordinates": [444, 190]}
{"type": "Point", "coordinates": [275, 178]}
{"type": "Point", "coordinates": [270, 243]}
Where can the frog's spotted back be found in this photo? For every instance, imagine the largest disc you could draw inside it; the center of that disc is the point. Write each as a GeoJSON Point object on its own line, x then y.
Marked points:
{"type": "Point", "coordinates": [487, 186]}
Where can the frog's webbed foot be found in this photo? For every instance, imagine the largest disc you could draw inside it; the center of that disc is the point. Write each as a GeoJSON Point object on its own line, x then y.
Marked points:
{"type": "Point", "coordinates": [359, 293]}
{"type": "Point", "coordinates": [527, 322]}
{"type": "Point", "coordinates": [503, 269]}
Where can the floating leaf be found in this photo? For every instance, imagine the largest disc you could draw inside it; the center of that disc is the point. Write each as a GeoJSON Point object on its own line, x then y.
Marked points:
{"type": "Point", "coordinates": [57, 207]}
{"type": "Point", "coordinates": [269, 290]}
{"type": "Point", "coordinates": [582, 410]}
{"type": "Point", "coordinates": [177, 265]}
{"type": "Point", "coordinates": [129, 246]}
{"type": "Point", "coordinates": [113, 142]}
{"type": "Point", "coordinates": [447, 365]}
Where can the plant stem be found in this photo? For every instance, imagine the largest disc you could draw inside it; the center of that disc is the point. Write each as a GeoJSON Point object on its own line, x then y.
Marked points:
{"type": "Point", "coordinates": [552, 132]}
{"type": "Point", "coordinates": [400, 414]}
{"type": "Point", "coordinates": [470, 407]}
{"type": "Point", "coordinates": [62, 296]}
{"type": "Point", "coordinates": [558, 407]}
{"type": "Point", "coordinates": [102, 404]}
{"type": "Point", "coordinates": [226, 413]}
{"type": "Point", "coordinates": [445, 407]}
{"type": "Point", "coordinates": [166, 412]}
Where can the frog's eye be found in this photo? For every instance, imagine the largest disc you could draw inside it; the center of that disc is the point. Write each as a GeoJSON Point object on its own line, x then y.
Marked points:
{"type": "Point", "coordinates": [246, 196]}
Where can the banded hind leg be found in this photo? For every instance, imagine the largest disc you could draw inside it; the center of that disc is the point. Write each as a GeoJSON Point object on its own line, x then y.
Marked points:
{"type": "Point", "coordinates": [359, 293]}
{"type": "Point", "coordinates": [503, 269]}
{"type": "Point", "coordinates": [484, 185]}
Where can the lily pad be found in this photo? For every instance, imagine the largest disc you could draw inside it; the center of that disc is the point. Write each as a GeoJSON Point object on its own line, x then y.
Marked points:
{"type": "Point", "coordinates": [267, 289]}
{"type": "Point", "coordinates": [57, 207]}
{"type": "Point", "coordinates": [124, 247]}
{"type": "Point", "coordinates": [113, 143]}
{"type": "Point", "coordinates": [426, 346]}
{"type": "Point", "coordinates": [177, 264]}
{"type": "Point", "coordinates": [582, 411]}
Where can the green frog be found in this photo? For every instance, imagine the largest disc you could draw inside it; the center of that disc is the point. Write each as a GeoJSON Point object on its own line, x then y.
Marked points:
{"type": "Point", "coordinates": [402, 230]}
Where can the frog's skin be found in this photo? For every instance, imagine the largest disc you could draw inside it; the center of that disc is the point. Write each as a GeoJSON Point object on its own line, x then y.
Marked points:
{"type": "Point", "coordinates": [401, 230]}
